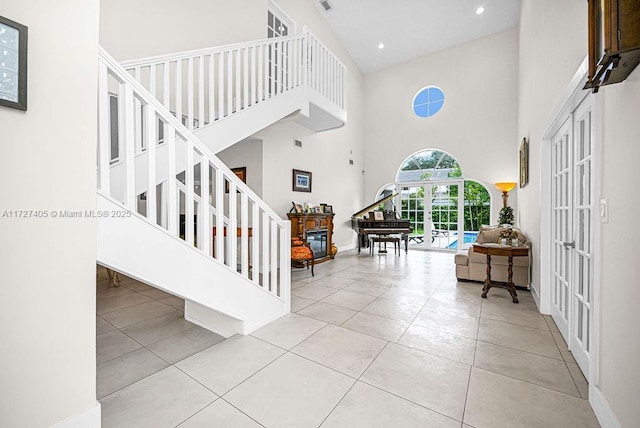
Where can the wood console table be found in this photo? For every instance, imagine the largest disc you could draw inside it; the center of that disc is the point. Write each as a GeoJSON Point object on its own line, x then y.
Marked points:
{"type": "Point", "coordinates": [500, 250]}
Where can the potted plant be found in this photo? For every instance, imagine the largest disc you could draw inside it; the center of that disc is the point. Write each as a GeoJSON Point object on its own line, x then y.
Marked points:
{"type": "Point", "coordinates": [506, 216]}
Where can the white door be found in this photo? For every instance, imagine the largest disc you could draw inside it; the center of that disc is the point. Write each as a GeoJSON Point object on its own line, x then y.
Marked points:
{"type": "Point", "coordinates": [443, 201]}
{"type": "Point", "coordinates": [435, 211]}
{"type": "Point", "coordinates": [572, 228]}
{"type": "Point", "coordinates": [582, 251]}
{"type": "Point", "coordinates": [561, 225]}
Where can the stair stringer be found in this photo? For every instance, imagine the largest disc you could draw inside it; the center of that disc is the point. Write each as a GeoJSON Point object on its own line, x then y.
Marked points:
{"type": "Point", "coordinates": [148, 253]}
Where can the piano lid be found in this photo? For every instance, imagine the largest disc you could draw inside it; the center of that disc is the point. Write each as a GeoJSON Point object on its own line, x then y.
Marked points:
{"type": "Point", "coordinates": [368, 208]}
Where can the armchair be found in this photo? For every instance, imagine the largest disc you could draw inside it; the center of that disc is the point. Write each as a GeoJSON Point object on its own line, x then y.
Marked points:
{"type": "Point", "coordinates": [301, 252]}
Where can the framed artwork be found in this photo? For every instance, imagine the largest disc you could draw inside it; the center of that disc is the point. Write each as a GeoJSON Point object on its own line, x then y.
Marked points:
{"type": "Point", "coordinates": [328, 209]}
{"type": "Point", "coordinates": [13, 64]}
{"type": "Point", "coordinates": [378, 215]}
{"type": "Point", "coordinates": [301, 181]}
{"type": "Point", "coordinates": [241, 172]}
{"type": "Point", "coordinates": [524, 162]}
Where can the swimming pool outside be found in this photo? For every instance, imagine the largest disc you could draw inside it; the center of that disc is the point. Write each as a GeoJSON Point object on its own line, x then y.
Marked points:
{"type": "Point", "coordinates": [468, 238]}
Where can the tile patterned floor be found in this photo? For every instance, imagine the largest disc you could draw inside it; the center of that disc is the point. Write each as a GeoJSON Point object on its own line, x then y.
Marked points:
{"type": "Point", "coordinates": [383, 341]}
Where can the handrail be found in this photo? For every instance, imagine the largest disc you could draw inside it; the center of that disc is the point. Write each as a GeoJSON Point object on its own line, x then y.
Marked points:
{"type": "Point", "coordinates": [117, 70]}
{"type": "Point", "coordinates": [128, 64]}
{"type": "Point", "coordinates": [140, 122]}
{"type": "Point", "coordinates": [203, 86]}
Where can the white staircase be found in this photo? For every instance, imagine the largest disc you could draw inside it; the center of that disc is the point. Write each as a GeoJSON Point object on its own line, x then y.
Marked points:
{"type": "Point", "coordinates": [161, 185]}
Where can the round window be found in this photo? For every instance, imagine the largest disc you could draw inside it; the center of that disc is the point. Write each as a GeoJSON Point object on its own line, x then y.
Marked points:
{"type": "Point", "coordinates": [428, 101]}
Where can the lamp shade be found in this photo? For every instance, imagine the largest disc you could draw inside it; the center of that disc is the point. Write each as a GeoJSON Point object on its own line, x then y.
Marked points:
{"type": "Point", "coordinates": [505, 186]}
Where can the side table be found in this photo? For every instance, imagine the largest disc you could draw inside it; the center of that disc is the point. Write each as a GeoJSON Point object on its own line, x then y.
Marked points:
{"type": "Point", "coordinates": [500, 250]}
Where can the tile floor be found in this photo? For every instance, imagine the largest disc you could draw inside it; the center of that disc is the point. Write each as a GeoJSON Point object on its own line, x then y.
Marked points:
{"type": "Point", "coordinates": [383, 341]}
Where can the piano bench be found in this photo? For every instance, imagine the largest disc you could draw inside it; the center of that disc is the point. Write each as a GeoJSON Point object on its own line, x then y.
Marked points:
{"type": "Point", "coordinates": [384, 239]}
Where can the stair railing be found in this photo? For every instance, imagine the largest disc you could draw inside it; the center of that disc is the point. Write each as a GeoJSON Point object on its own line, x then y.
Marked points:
{"type": "Point", "coordinates": [153, 165]}
{"type": "Point", "coordinates": [206, 85]}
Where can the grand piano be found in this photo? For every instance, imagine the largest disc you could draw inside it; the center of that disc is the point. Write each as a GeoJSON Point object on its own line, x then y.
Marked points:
{"type": "Point", "coordinates": [391, 225]}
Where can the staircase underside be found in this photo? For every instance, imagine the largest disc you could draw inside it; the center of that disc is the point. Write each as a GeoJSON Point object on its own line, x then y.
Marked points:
{"type": "Point", "coordinates": [149, 254]}
{"type": "Point", "coordinates": [313, 113]}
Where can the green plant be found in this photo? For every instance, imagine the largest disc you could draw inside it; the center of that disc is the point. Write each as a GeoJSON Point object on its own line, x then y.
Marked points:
{"type": "Point", "coordinates": [506, 216]}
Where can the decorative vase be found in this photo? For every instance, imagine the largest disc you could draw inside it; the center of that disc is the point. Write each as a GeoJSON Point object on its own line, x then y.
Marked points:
{"type": "Point", "coordinates": [514, 242]}
{"type": "Point", "coordinates": [503, 241]}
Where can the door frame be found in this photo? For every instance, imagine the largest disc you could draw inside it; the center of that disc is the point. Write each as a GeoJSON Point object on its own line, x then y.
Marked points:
{"type": "Point", "coordinates": [569, 100]}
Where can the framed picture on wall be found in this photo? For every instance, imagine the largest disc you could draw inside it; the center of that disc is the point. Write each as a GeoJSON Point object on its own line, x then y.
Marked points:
{"type": "Point", "coordinates": [13, 64]}
{"type": "Point", "coordinates": [524, 162]}
{"type": "Point", "coordinates": [301, 181]}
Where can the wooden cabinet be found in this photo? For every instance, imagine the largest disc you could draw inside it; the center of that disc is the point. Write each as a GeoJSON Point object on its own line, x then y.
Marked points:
{"type": "Point", "coordinates": [614, 41]}
{"type": "Point", "coordinates": [317, 230]}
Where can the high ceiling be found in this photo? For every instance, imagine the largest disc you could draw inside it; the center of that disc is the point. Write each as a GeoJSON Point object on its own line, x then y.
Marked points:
{"type": "Point", "coordinates": [412, 28]}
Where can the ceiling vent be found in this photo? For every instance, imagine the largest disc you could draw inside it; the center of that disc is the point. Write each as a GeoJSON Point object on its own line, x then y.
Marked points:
{"type": "Point", "coordinates": [325, 4]}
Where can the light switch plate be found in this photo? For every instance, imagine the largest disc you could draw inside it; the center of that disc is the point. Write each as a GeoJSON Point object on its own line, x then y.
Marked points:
{"type": "Point", "coordinates": [604, 210]}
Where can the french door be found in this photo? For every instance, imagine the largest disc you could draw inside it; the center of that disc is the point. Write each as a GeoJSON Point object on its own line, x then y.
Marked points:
{"type": "Point", "coordinates": [435, 211]}
{"type": "Point", "coordinates": [572, 231]}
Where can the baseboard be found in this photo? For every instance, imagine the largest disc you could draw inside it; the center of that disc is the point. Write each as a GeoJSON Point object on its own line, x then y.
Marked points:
{"type": "Point", "coordinates": [535, 295]}
{"type": "Point", "coordinates": [87, 419]}
{"type": "Point", "coordinates": [601, 408]}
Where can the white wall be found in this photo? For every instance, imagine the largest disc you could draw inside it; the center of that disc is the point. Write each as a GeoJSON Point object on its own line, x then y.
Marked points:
{"type": "Point", "coordinates": [545, 73]}
{"type": "Point", "coordinates": [154, 27]}
{"type": "Point", "coordinates": [247, 153]}
{"type": "Point", "coordinates": [47, 162]}
{"type": "Point", "coordinates": [477, 123]}
{"type": "Point", "coordinates": [620, 377]}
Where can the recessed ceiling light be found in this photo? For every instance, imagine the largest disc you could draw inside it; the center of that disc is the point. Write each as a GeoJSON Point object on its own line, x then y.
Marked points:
{"type": "Point", "coordinates": [380, 45]}
{"type": "Point", "coordinates": [480, 10]}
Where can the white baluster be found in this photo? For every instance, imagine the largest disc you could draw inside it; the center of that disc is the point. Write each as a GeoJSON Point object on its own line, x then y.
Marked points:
{"type": "Point", "coordinates": [230, 109]}
{"type": "Point", "coordinates": [244, 234]}
{"type": "Point", "coordinates": [255, 243]}
{"type": "Point", "coordinates": [265, 251]}
{"type": "Point", "coordinates": [189, 185]}
{"type": "Point", "coordinates": [245, 78]}
{"type": "Point", "coordinates": [127, 127]}
{"type": "Point", "coordinates": [204, 219]}
{"type": "Point", "coordinates": [274, 257]}
{"type": "Point", "coordinates": [237, 82]}
{"type": "Point", "coordinates": [221, 111]}
{"type": "Point", "coordinates": [254, 72]}
{"type": "Point", "coordinates": [232, 227]}
{"type": "Point", "coordinates": [212, 85]}
{"type": "Point", "coordinates": [201, 92]}
{"type": "Point", "coordinates": [285, 265]}
{"type": "Point", "coordinates": [219, 189]}
{"type": "Point", "coordinates": [190, 93]}
{"type": "Point", "coordinates": [152, 140]}
{"type": "Point", "coordinates": [171, 188]}
{"type": "Point", "coordinates": [178, 90]}
{"type": "Point", "coordinates": [166, 87]}
{"type": "Point", "coordinates": [261, 73]}
{"type": "Point", "coordinates": [152, 81]}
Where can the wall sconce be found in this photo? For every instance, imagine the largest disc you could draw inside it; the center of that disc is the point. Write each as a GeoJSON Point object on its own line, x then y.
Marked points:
{"type": "Point", "coordinates": [505, 187]}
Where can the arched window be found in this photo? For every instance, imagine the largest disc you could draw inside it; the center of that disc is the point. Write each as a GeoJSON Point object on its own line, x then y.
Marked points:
{"type": "Point", "coordinates": [443, 207]}
{"type": "Point", "coordinates": [429, 165]}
